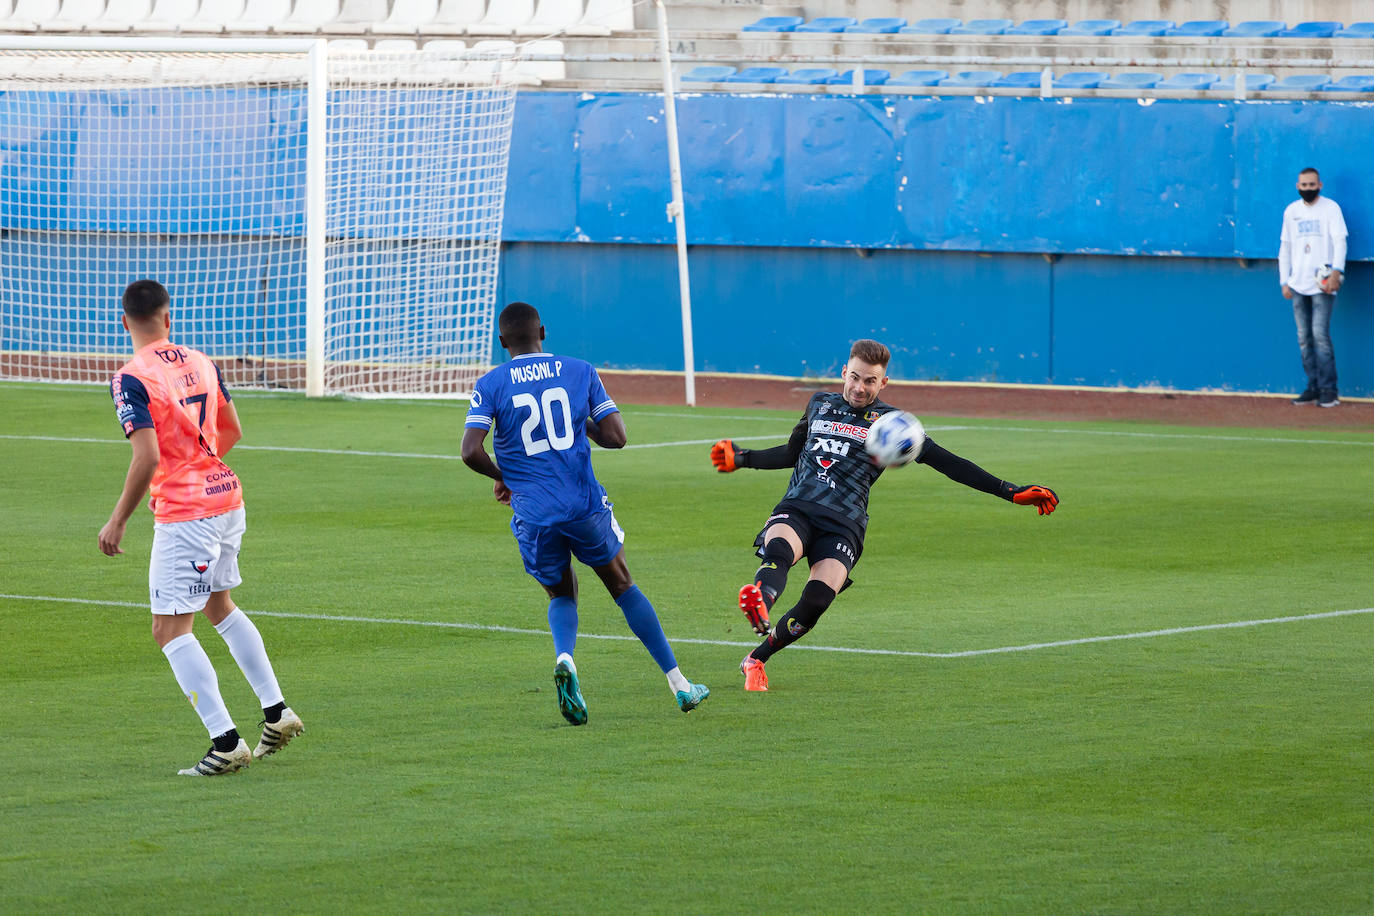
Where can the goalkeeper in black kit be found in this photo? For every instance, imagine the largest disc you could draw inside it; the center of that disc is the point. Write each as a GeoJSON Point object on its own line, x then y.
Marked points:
{"type": "Point", "coordinates": [824, 513]}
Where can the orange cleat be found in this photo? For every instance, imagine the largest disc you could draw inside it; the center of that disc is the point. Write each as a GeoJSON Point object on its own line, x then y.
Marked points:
{"type": "Point", "coordinates": [754, 676]}
{"type": "Point", "coordinates": [755, 611]}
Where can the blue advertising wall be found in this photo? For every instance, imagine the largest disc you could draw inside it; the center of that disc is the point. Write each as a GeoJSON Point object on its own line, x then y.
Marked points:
{"type": "Point", "coordinates": [1095, 241]}
{"type": "Point", "coordinates": [1100, 176]}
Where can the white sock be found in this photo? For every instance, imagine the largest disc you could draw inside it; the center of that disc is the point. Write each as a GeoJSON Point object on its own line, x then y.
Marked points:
{"type": "Point", "coordinates": [565, 657]}
{"type": "Point", "coordinates": [245, 644]}
{"type": "Point", "coordinates": [197, 678]}
{"type": "Point", "coordinates": [677, 682]}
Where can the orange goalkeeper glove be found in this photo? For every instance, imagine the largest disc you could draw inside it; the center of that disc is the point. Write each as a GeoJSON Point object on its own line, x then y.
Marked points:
{"type": "Point", "coordinates": [1042, 498]}
{"type": "Point", "coordinates": [725, 455]}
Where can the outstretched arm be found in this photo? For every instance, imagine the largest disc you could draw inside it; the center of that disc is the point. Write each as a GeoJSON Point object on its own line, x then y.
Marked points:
{"type": "Point", "coordinates": [475, 456]}
{"type": "Point", "coordinates": [971, 475]}
{"type": "Point", "coordinates": [727, 456]}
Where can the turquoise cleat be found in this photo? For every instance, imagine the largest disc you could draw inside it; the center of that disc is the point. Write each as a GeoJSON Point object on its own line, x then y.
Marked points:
{"type": "Point", "coordinates": [570, 702]}
{"type": "Point", "coordinates": [688, 700]}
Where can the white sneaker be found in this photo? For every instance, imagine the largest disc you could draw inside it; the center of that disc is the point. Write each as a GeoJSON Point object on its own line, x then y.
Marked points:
{"type": "Point", "coordinates": [221, 763]}
{"type": "Point", "coordinates": [276, 735]}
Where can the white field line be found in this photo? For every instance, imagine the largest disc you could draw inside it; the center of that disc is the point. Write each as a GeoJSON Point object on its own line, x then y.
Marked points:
{"type": "Point", "coordinates": [684, 442]}
{"type": "Point", "coordinates": [967, 653]}
{"type": "Point", "coordinates": [370, 454]}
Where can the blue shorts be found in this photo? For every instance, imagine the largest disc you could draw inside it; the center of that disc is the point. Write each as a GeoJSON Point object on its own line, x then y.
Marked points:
{"type": "Point", "coordinates": [547, 549]}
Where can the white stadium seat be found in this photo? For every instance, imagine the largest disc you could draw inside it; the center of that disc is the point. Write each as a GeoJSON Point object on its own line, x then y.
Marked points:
{"type": "Point", "coordinates": [258, 15]}
{"type": "Point", "coordinates": [396, 45]}
{"type": "Point", "coordinates": [29, 14]}
{"type": "Point", "coordinates": [604, 17]}
{"type": "Point", "coordinates": [309, 16]}
{"type": "Point", "coordinates": [347, 45]}
{"type": "Point", "coordinates": [454, 16]}
{"type": "Point", "coordinates": [543, 70]}
{"type": "Point", "coordinates": [407, 17]}
{"type": "Point", "coordinates": [169, 15]}
{"type": "Point", "coordinates": [74, 16]}
{"type": "Point", "coordinates": [503, 18]}
{"type": "Point", "coordinates": [212, 16]}
{"type": "Point", "coordinates": [552, 17]}
{"type": "Point", "coordinates": [357, 17]}
{"type": "Point", "coordinates": [122, 16]}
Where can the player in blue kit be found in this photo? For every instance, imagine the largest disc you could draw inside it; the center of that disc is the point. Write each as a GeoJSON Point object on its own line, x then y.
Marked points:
{"type": "Point", "coordinates": [544, 409]}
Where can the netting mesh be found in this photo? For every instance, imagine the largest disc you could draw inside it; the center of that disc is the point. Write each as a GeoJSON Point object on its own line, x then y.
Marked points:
{"type": "Point", "coordinates": [192, 169]}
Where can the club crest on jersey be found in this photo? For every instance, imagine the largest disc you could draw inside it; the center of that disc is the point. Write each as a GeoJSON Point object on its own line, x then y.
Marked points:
{"type": "Point", "coordinates": [870, 416]}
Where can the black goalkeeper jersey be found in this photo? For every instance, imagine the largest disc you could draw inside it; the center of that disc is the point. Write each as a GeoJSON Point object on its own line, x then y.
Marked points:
{"type": "Point", "coordinates": [833, 472]}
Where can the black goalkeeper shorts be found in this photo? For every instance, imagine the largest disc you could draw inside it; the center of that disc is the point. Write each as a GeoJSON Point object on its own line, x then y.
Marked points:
{"type": "Point", "coordinates": [821, 537]}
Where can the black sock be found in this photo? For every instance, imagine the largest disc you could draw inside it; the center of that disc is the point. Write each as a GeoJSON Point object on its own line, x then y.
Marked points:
{"type": "Point", "coordinates": [772, 575]}
{"type": "Point", "coordinates": [795, 624]}
{"type": "Point", "coordinates": [273, 713]}
{"type": "Point", "coordinates": [227, 741]}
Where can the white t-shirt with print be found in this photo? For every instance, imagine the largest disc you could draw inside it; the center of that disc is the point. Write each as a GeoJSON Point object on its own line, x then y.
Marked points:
{"type": "Point", "coordinates": [1313, 236]}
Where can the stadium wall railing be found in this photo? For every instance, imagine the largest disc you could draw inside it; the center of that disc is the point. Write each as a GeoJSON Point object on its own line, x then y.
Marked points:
{"type": "Point", "coordinates": [1097, 242]}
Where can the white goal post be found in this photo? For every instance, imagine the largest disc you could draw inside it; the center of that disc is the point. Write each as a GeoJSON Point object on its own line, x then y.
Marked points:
{"type": "Point", "coordinates": [326, 222]}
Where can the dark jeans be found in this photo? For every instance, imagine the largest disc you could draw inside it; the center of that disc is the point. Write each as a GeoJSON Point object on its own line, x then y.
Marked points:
{"type": "Point", "coordinates": [1313, 317]}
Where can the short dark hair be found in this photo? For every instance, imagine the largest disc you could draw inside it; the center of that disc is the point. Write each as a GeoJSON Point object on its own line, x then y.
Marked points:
{"type": "Point", "coordinates": [519, 323]}
{"type": "Point", "coordinates": [871, 352]}
{"type": "Point", "coordinates": [1312, 170]}
{"type": "Point", "coordinates": [145, 298]}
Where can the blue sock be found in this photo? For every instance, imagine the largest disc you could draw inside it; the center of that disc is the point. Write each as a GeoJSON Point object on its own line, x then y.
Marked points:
{"type": "Point", "coordinates": [563, 624]}
{"type": "Point", "coordinates": [639, 614]}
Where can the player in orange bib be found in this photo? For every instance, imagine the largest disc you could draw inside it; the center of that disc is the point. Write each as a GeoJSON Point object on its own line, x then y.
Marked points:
{"type": "Point", "coordinates": [179, 419]}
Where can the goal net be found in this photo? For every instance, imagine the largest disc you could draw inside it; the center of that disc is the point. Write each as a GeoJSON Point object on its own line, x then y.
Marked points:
{"type": "Point", "coordinates": [324, 222]}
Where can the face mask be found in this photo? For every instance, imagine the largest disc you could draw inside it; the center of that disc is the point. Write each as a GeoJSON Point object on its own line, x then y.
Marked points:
{"type": "Point", "coordinates": [1309, 194]}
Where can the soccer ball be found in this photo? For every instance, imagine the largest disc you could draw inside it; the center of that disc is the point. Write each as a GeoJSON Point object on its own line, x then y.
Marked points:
{"type": "Point", "coordinates": [895, 439]}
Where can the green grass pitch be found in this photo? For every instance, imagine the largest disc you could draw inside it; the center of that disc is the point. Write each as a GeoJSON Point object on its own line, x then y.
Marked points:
{"type": "Point", "coordinates": [1208, 770]}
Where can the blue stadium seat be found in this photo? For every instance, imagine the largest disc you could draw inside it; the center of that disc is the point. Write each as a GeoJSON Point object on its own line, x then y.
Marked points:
{"type": "Point", "coordinates": [756, 75]}
{"type": "Point", "coordinates": [1363, 82]}
{"type": "Point", "coordinates": [1145, 27]}
{"type": "Point", "coordinates": [1257, 82]}
{"type": "Point", "coordinates": [977, 78]}
{"type": "Point", "coordinates": [1189, 81]}
{"type": "Point", "coordinates": [774, 24]}
{"type": "Point", "coordinates": [1021, 79]}
{"type": "Point", "coordinates": [1131, 80]}
{"type": "Point", "coordinates": [809, 76]}
{"type": "Point", "coordinates": [1200, 28]}
{"type": "Point", "coordinates": [1357, 30]}
{"type": "Point", "coordinates": [871, 78]}
{"type": "Point", "coordinates": [931, 26]}
{"type": "Point", "coordinates": [1092, 27]}
{"type": "Point", "coordinates": [827, 24]}
{"type": "Point", "coordinates": [1312, 30]}
{"type": "Point", "coordinates": [1302, 82]}
{"type": "Point", "coordinates": [1255, 28]}
{"type": "Point", "coordinates": [918, 78]}
{"type": "Point", "coordinates": [881, 25]}
{"type": "Point", "coordinates": [707, 73]}
{"type": "Point", "coordinates": [1039, 27]}
{"type": "Point", "coordinates": [982, 27]}
{"type": "Point", "coordinates": [1080, 79]}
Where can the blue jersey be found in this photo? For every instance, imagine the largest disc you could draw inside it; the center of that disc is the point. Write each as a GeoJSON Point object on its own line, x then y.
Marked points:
{"type": "Point", "coordinates": [538, 405]}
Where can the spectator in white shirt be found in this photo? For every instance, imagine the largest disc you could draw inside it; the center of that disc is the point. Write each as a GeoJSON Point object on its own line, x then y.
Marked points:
{"type": "Point", "coordinates": [1311, 268]}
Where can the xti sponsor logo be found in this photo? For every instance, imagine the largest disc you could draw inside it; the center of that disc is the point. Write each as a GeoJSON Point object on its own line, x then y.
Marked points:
{"type": "Point", "coordinates": [831, 446]}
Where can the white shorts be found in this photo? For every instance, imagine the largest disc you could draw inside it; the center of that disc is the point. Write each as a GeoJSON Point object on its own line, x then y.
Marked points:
{"type": "Point", "coordinates": [192, 559]}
